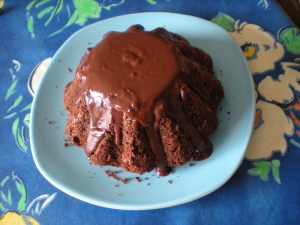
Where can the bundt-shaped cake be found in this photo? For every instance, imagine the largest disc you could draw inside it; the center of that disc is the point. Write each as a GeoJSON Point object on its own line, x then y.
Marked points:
{"type": "Point", "coordinates": [142, 100]}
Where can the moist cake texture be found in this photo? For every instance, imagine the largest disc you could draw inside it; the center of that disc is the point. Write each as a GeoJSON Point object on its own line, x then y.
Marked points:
{"type": "Point", "coordinates": [142, 100]}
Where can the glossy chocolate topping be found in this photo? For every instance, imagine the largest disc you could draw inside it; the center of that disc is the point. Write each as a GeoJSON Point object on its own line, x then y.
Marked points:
{"type": "Point", "coordinates": [138, 73]}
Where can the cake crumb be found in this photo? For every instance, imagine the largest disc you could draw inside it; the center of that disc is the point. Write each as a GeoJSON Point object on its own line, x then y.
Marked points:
{"type": "Point", "coordinates": [69, 70]}
{"type": "Point", "coordinates": [191, 164]}
{"type": "Point", "coordinates": [137, 179]}
{"type": "Point", "coordinates": [148, 184]}
{"type": "Point", "coordinates": [169, 181]}
{"type": "Point", "coordinates": [64, 144]}
{"type": "Point", "coordinates": [49, 122]}
{"type": "Point", "coordinates": [112, 174]}
{"type": "Point", "coordinates": [124, 180]}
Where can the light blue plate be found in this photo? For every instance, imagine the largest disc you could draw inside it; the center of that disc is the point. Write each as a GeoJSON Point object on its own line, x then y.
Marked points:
{"type": "Point", "coordinates": [68, 168]}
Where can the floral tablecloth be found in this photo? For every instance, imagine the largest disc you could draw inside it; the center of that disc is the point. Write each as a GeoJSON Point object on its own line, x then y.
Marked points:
{"type": "Point", "coordinates": [266, 187]}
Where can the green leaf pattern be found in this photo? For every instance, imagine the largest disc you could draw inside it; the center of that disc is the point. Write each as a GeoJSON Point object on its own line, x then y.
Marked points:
{"type": "Point", "coordinates": [2, 183]}
{"type": "Point", "coordinates": [28, 7]}
{"type": "Point", "coordinates": [26, 107]}
{"type": "Point", "coordinates": [26, 120]}
{"type": "Point", "coordinates": [6, 198]}
{"type": "Point", "coordinates": [11, 89]}
{"type": "Point", "coordinates": [16, 191]}
{"type": "Point", "coordinates": [18, 130]}
{"type": "Point", "coordinates": [290, 38]}
{"type": "Point", "coordinates": [56, 10]}
{"type": "Point", "coordinates": [225, 21]}
{"type": "Point", "coordinates": [10, 115]}
{"type": "Point", "coordinates": [16, 103]}
{"type": "Point", "coordinates": [44, 12]}
{"type": "Point", "coordinates": [41, 3]}
{"type": "Point", "coordinates": [2, 208]}
{"type": "Point", "coordinates": [18, 138]}
{"type": "Point", "coordinates": [3, 196]}
{"type": "Point", "coordinates": [262, 169]}
{"type": "Point", "coordinates": [153, 2]}
{"type": "Point", "coordinates": [84, 10]}
{"type": "Point", "coordinates": [22, 190]}
{"type": "Point", "coordinates": [30, 26]}
{"type": "Point", "coordinates": [275, 170]}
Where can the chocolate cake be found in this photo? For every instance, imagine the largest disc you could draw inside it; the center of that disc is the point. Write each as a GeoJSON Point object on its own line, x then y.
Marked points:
{"type": "Point", "coordinates": [143, 100]}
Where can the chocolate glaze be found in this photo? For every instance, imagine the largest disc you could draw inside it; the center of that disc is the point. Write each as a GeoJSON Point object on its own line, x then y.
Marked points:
{"type": "Point", "coordinates": [139, 73]}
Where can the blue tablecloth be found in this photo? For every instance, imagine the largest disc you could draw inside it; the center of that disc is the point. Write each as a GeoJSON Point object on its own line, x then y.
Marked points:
{"type": "Point", "coordinates": [264, 190]}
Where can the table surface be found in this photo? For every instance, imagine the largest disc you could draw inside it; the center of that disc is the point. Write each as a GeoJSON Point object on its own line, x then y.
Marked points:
{"type": "Point", "coordinates": [265, 188]}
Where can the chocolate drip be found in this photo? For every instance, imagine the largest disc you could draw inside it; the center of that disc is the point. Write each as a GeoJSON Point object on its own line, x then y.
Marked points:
{"type": "Point", "coordinates": [117, 117]}
{"type": "Point", "coordinates": [158, 150]}
{"type": "Point", "coordinates": [80, 93]}
{"type": "Point", "coordinates": [155, 142]}
{"type": "Point", "coordinates": [201, 155]}
{"type": "Point", "coordinates": [138, 73]}
{"type": "Point", "coordinates": [136, 27]}
{"type": "Point", "coordinates": [175, 104]}
{"type": "Point", "coordinates": [195, 83]}
{"type": "Point", "coordinates": [100, 118]}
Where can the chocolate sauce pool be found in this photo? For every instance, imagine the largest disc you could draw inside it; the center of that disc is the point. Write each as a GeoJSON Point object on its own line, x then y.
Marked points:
{"type": "Point", "coordinates": [139, 73]}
